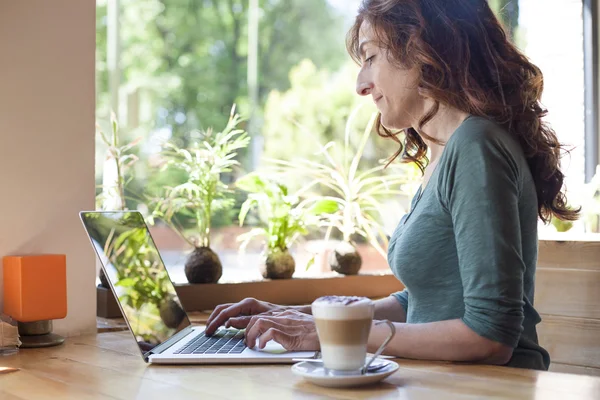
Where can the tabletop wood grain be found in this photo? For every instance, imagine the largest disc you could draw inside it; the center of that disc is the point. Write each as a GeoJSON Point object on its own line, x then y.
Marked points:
{"type": "Point", "coordinates": [108, 366]}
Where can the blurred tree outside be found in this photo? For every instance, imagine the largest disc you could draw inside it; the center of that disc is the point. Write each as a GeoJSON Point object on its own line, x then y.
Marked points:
{"type": "Point", "coordinates": [315, 110]}
{"type": "Point", "coordinates": [184, 62]}
{"type": "Point", "coordinates": [172, 67]}
{"type": "Point", "coordinates": [508, 13]}
{"type": "Point", "coordinates": [181, 64]}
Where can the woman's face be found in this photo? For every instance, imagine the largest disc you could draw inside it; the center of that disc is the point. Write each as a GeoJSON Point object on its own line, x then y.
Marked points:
{"type": "Point", "coordinates": [394, 89]}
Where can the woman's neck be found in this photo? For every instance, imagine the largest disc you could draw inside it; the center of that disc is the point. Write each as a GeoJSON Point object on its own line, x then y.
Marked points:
{"type": "Point", "coordinates": [441, 127]}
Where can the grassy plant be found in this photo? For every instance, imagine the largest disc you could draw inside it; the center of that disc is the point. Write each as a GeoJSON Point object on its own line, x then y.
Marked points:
{"type": "Point", "coordinates": [203, 193]}
{"type": "Point", "coordinates": [283, 217]}
{"type": "Point", "coordinates": [123, 160]}
{"type": "Point", "coordinates": [358, 194]}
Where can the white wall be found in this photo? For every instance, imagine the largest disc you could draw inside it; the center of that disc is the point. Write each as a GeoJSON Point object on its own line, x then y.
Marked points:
{"type": "Point", "coordinates": [47, 140]}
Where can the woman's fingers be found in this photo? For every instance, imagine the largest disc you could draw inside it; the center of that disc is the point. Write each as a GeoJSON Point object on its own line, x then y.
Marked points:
{"type": "Point", "coordinates": [261, 325]}
{"type": "Point", "coordinates": [287, 340]}
{"type": "Point", "coordinates": [218, 318]}
{"type": "Point", "coordinates": [292, 334]}
{"type": "Point", "coordinates": [225, 312]}
{"type": "Point", "coordinates": [216, 312]}
{"type": "Point", "coordinates": [246, 321]}
{"type": "Point", "coordinates": [245, 314]}
{"type": "Point", "coordinates": [238, 322]}
{"type": "Point", "coordinates": [290, 319]}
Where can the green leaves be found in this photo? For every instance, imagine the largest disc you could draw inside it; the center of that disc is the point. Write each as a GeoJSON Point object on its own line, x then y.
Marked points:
{"type": "Point", "coordinates": [252, 183]}
{"type": "Point", "coordinates": [141, 279]}
{"type": "Point", "coordinates": [203, 162]}
{"type": "Point", "coordinates": [126, 283]}
{"type": "Point", "coordinates": [324, 206]}
{"type": "Point", "coordinates": [283, 219]}
{"type": "Point", "coordinates": [246, 206]}
{"type": "Point", "coordinates": [123, 160]}
{"type": "Point", "coordinates": [353, 202]}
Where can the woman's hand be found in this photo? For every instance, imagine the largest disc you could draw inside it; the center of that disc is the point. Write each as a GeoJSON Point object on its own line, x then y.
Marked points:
{"type": "Point", "coordinates": [238, 315]}
{"type": "Point", "coordinates": [292, 329]}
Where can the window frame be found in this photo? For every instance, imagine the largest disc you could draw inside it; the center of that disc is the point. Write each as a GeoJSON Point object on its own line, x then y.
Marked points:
{"type": "Point", "coordinates": [591, 39]}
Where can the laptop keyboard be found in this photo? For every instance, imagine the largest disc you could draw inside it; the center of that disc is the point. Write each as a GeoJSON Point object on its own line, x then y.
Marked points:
{"type": "Point", "coordinates": [224, 341]}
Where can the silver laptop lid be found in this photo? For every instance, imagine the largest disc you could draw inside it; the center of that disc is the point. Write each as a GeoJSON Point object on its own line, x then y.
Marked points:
{"type": "Point", "coordinates": [137, 276]}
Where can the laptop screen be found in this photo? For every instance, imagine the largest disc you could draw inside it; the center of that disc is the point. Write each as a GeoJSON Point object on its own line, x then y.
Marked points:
{"type": "Point", "coordinates": [138, 276]}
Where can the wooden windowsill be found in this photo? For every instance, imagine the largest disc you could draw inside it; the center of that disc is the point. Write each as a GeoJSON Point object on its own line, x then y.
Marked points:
{"type": "Point", "coordinates": [569, 237]}
{"type": "Point", "coordinates": [200, 297]}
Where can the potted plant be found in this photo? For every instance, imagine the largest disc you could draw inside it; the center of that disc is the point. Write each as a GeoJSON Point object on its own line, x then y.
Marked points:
{"type": "Point", "coordinates": [358, 195]}
{"type": "Point", "coordinates": [283, 218]}
{"type": "Point", "coordinates": [202, 194]}
{"type": "Point", "coordinates": [119, 161]}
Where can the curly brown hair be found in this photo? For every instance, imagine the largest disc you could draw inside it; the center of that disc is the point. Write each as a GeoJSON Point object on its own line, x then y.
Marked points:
{"type": "Point", "coordinates": [467, 62]}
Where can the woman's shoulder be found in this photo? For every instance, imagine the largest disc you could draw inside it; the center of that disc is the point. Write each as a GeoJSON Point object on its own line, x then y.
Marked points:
{"type": "Point", "coordinates": [480, 130]}
{"type": "Point", "coordinates": [479, 135]}
{"type": "Point", "coordinates": [480, 146]}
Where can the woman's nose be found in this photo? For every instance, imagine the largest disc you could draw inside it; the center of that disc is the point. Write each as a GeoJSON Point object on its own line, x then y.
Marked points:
{"type": "Point", "coordinates": [364, 88]}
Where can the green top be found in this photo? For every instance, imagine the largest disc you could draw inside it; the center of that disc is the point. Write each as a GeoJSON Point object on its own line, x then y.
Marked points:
{"type": "Point", "coordinates": [468, 248]}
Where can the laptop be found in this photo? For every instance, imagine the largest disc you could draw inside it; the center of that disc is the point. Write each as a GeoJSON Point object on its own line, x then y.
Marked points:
{"type": "Point", "coordinates": [150, 305]}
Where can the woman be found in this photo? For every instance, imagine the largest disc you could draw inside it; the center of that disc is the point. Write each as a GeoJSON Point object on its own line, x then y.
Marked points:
{"type": "Point", "coordinates": [444, 72]}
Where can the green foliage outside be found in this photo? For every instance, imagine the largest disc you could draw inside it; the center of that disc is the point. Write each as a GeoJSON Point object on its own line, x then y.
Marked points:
{"type": "Point", "coordinates": [359, 193]}
{"type": "Point", "coordinates": [203, 191]}
{"type": "Point", "coordinates": [112, 193]}
{"type": "Point", "coordinates": [189, 57]}
{"type": "Point", "coordinates": [183, 63]}
{"type": "Point", "coordinates": [283, 216]}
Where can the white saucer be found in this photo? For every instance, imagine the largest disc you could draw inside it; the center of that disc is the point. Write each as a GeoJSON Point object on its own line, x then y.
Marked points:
{"type": "Point", "coordinates": [316, 373]}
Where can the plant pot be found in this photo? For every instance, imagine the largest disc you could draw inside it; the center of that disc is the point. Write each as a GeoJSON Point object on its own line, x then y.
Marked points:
{"type": "Point", "coordinates": [103, 281]}
{"type": "Point", "coordinates": [279, 264]}
{"type": "Point", "coordinates": [344, 259]}
{"type": "Point", "coordinates": [203, 266]}
{"type": "Point", "coordinates": [106, 304]}
{"type": "Point", "coordinates": [172, 313]}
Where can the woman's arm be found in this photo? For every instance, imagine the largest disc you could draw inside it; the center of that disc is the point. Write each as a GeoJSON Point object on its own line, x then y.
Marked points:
{"type": "Point", "coordinates": [448, 340]}
{"type": "Point", "coordinates": [390, 308]}
{"type": "Point", "coordinates": [306, 309]}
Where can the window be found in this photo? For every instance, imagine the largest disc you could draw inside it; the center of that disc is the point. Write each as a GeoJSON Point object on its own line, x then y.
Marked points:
{"type": "Point", "coordinates": [169, 68]}
{"type": "Point", "coordinates": [564, 45]}
{"type": "Point", "coordinates": [591, 39]}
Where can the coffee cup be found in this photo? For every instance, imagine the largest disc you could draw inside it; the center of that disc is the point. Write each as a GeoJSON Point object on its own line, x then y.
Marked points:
{"type": "Point", "coordinates": [343, 326]}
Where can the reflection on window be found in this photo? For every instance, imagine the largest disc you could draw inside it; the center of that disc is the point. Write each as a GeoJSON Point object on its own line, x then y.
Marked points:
{"type": "Point", "coordinates": [140, 280]}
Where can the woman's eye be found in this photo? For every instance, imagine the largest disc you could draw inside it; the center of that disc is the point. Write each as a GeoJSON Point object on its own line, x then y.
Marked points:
{"type": "Point", "coordinates": [370, 60]}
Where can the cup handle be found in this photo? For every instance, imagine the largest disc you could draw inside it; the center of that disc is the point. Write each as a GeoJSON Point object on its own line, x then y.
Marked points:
{"type": "Point", "coordinates": [383, 345]}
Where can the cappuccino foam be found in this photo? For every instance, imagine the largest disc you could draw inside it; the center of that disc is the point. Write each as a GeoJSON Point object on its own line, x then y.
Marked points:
{"type": "Point", "coordinates": [343, 308]}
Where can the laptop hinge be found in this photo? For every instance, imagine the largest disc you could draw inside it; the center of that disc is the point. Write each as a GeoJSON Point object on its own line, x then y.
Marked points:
{"type": "Point", "coordinates": [168, 343]}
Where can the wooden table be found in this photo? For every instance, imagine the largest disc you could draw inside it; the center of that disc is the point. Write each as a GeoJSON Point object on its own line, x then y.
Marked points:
{"type": "Point", "coordinates": [108, 366]}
